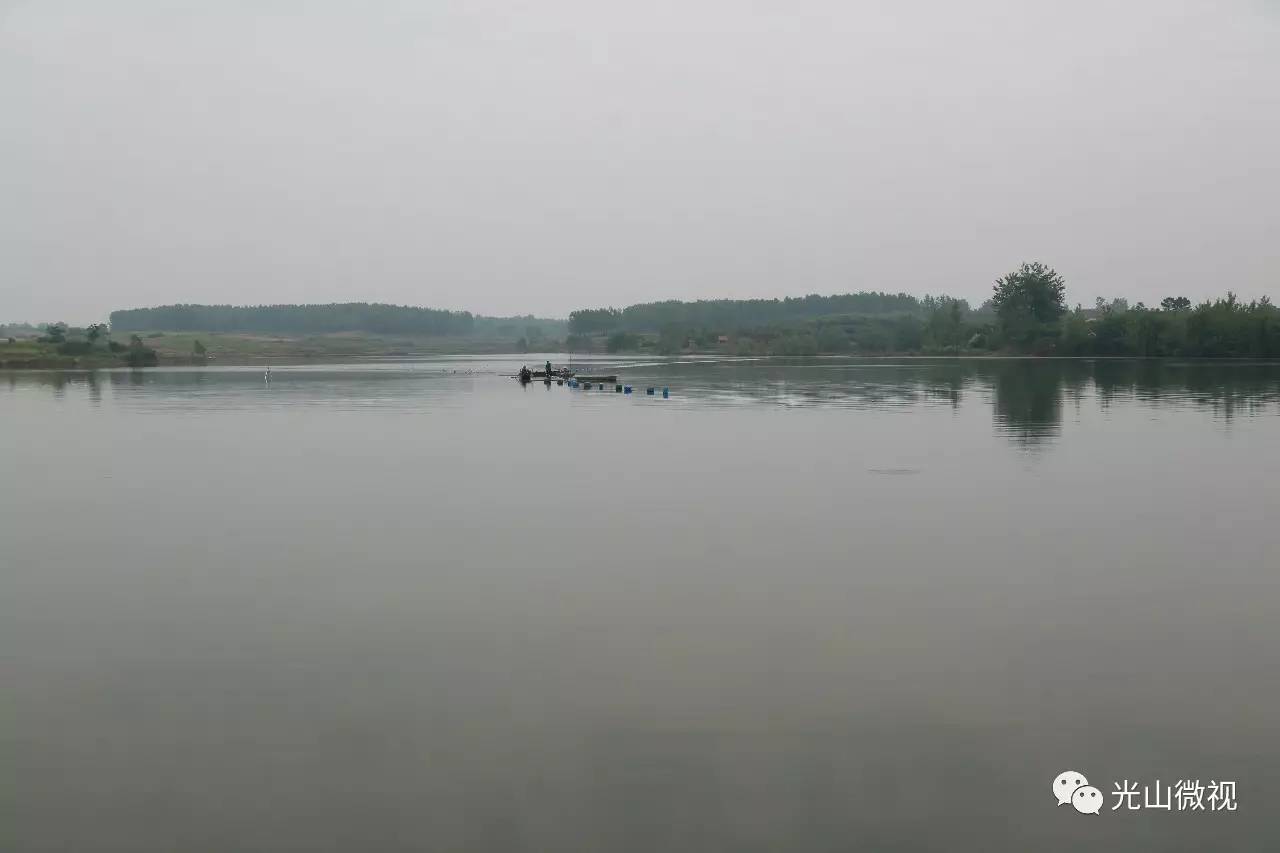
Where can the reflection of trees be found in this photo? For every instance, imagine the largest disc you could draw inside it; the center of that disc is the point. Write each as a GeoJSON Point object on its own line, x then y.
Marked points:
{"type": "Point", "coordinates": [56, 381]}
{"type": "Point", "coordinates": [824, 382]}
{"type": "Point", "coordinates": [1026, 398]}
{"type": "Point", "coordinates": [946, 380]}
{"type": "Point", "coordinates": [1227, 388]}
{"type": "Point", "coordinates": [1027, 395]}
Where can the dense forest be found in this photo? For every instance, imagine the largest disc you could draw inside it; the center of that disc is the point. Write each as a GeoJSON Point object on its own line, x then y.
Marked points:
{"type": "Point", "coordinates": [736, 313]}
{"type": "Point", "coordinates": [1026, 314]}
{"type": "Point", "coordinates": [296, 319]}
{"type": "Point", "coordinates": [372, 318]}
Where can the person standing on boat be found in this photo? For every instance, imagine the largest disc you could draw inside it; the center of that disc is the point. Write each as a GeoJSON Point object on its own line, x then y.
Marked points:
{"type": "Point", "coordinates": [548, 368]}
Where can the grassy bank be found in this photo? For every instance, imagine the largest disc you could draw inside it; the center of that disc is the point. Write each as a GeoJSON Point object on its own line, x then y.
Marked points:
{"type": "Point", "coordinates": [28, 353]}
{"type": "Point", "coordinates": [236, 348]}
{"type": "Point", "coordinates": [184, 348]}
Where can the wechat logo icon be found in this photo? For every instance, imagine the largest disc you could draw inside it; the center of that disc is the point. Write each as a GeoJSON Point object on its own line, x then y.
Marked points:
{"type": "Point", "coordinates": [1071, 786]}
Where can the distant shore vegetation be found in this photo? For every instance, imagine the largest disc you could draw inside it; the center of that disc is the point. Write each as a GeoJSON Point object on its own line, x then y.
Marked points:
{"type": "Point", "coordinates": [60, 345]}
{"type": "Point", "coordinates": [297, 319]}
{"type": "Point", "coordinates": [1027, 314]}
{"type": "Point", "coordinates": [369, 317]}
{"type": "Point", "coordinates": [227, 334]}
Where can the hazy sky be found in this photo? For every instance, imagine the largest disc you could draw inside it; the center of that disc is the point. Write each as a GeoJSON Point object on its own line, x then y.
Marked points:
{"type": "Point", "coordinates": [541, 156]}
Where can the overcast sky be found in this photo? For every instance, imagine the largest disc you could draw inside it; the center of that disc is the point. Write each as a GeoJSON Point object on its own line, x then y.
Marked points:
{"type": "Point", "coordinates": [541, 156]}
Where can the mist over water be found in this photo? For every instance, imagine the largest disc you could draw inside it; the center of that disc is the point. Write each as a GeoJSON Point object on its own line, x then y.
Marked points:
{"type": "Point", "coordinates": [811, 605]}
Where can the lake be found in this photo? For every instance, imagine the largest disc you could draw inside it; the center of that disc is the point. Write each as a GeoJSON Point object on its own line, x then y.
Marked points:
{"type": "Point", "coordinates": [809, 605]}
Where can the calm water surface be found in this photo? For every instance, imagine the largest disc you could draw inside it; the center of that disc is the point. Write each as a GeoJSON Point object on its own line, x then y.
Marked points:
{"type": "Point", "coordinates": [820, 605]}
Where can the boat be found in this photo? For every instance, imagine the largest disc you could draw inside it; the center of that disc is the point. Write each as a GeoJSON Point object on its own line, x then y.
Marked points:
{"type": "Point", "coordinates": [562, 375]}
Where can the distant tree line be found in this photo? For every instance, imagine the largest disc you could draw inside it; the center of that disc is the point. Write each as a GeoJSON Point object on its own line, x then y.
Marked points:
{"type": "Point", "coordinates": [736, 313]}
{"type": "Point", "coordinates": [92, 341]}
{"type": "Point", "coordinates": [1026, 314]}
{"type": "Point", "coordinates": [1222, 328]}
{"type": "Point", "coordinates": [1032, 316]}
{"type": "Point", "coordinates": [296, 319]}
{"type": "Point", "coordinates": [18, 330]}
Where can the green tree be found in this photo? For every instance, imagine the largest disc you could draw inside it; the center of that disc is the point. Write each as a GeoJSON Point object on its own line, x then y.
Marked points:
{"type": "Point", "coordinates": [139, 354]}
{"type": "Point", "coordinates": [197, 349]}
{"type": "Point", "coordinates": [622, 341]}
{"type": "Point", "coordinates": [831, 338]}
{"type": "Point", "coordinates": [55, 333]}
{"type": "Point", "coordinates": [1145, 332]}
{"type": "Point", "coordinates": [1077, 337]}
{"type": "Point", "coordinates": [1029, 302]}
{"type": "Point", "coordinates": [1034, 290]}
{"type": "Point", "coordinates": [944, 328]}
{"type": "Point", "coordinates": [95, 331]}
{"type": "Point", "coordinates": [594, 320]}
{"type": "Point", "coordinates": [872, 338]}
{"type": "Point", "coordinates": [1175, 303]}
{"type": "Point", "coordinates": [671, 340]}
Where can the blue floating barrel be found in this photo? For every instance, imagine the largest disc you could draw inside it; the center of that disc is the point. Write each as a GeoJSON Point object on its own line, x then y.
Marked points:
{"type": "Point", "coordinates": [626, 389]}
{"type": "Point", "coordinates": [666, 392]}
{"type": "Point", "coordinates": [649, 391]}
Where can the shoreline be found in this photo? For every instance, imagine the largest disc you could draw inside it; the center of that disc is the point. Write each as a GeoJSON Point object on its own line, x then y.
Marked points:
{"type": "Point", "coordinates": [215, 349]}
{"type": "Point", "coordinates": [75, 364]}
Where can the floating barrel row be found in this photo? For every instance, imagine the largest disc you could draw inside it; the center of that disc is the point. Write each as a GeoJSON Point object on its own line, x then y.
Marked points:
{"type": "Point", "coordinates": [618, 389]}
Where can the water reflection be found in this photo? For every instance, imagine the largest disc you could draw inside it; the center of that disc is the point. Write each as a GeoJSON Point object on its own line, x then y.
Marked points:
{"type": "Point", "coordinates": [802, 605]}
{"type": "Point", "coordinates": [1027, 397]}
{"type": "Point", "coordinates": [1027, 401]}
